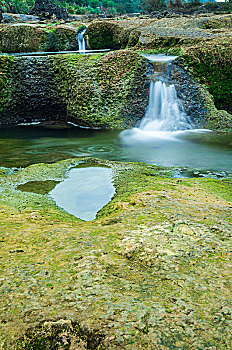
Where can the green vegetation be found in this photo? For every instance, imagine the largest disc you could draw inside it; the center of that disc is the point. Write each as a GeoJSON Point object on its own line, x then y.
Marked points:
{"type": "Point", "coordinates": [110, 7]}
{"type": "Point", "coordinates": [6, 66]}
{"type": "Point", "coordinates": [77, 85]}
{"type": "Point", "coordinates": [103, 35]}
{"type": "Point", "coordinates": [77, 6]}
{"type": "Point", "coordinates": [25, 38]}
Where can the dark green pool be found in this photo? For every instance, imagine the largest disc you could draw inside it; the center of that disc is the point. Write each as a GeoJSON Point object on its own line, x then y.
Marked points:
{"type": "Point", "coordinates": [24, 145]}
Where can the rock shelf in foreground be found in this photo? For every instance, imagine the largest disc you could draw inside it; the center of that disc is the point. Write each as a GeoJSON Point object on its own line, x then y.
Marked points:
{"type": "Point", "coordinates": [152, 271]}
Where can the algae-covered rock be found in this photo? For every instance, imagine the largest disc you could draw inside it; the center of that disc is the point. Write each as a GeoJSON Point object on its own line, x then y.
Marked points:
{"type": "Point", "coordinates": [216, 22]}
{"type": "Point", "coordinates": [20, 38]}
{"type": "Point", "coordinates": [59, 38]}
{"type": "Point", "coordinates": [29, 38]}
{"type": "Point", "coordinates": [103, 35]}
{"type": "Point", "coordinates": [210, 62]}
{"type": "Point", "coordinates": [27, 91]}
{"type": "Point", "coordinates": [151, 272]}
{"type": "Point", "coordinates": [133, 38]}
{"type": "Point", "coordinates": [197, 100]}
{"type": "Point", "coordinates": [106, 91]}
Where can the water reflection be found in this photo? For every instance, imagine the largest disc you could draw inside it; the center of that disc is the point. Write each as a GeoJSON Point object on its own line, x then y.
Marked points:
{"type": "Point", "coordinates": [84, 192]}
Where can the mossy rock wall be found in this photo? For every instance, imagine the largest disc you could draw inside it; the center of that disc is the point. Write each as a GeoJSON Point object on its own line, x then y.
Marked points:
{"type": "Point", "coordinates": [210, 62]}
{"type": "Point", "coordinates": [104, 90]}
{"type": "Point", "coordinates": [27, 91]}
{"type": "Point", "coordinates": [103, 35]}
{"type": "Point", "coordinates": [197, 101]}
{"type": "Point", "coordinates": [28, 38]}
{"type": "Point", "coordinates": [20, 38]}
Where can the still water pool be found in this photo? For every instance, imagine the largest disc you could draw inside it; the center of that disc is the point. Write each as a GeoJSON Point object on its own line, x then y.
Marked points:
{"type": "Point", "coordinates": [24, 145]}
{"type": "Point", "coordinates": [84, 192]}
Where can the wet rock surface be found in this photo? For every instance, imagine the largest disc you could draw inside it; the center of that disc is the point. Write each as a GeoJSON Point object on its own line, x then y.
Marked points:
{"type": "Point", "coordinates": [196, 99]}
{"type": "Point", "coordinates": [202, 41]}
{"type": "Point", "coordinates": [151, 271]}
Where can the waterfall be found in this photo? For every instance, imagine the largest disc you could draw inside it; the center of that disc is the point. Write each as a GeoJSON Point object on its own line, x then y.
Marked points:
{"type": "Point", "coordinates": [164, 111]}
{"type": "Point", "coordinates": [164, 117]}
{"type": "Point", "coordinates": [81, 41]}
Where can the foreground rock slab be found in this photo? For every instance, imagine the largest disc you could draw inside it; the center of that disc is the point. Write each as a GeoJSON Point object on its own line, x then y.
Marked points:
{"type": "Point", "coordinates": [152, 271]}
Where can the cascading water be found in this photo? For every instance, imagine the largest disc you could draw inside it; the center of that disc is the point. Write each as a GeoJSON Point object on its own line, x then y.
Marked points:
{"type": "Point", "coordinates": [164, 112]}
{"type": "Point", "coordinates": [81, 41]}
{"type": "Point", "coordinates": [165, 117]}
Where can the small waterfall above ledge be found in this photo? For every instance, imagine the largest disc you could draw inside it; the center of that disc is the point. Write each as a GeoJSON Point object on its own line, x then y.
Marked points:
{"type": "Point", "coordinates": [165, 111]}
{"type": "Point", "coordinates": [81, 41]}
{"type": "Point", "coordinates": [165, 117]}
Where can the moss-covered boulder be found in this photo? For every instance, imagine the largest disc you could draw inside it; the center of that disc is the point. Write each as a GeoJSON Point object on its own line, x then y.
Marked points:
{"type": "Point", "coordinates": [216, 22]}
{"type": "Point", "coordinates": [210, 62]}
{"type": "Point", "coordinates": [20, 38]}
{"type": "Point", "coordinates": [103, 35]}
{"type": "Point", "coordinates": [30, 38]}
{"type": "Point", "coordinates": [104, 90]}
{"type": "Point", "coordinates": [59, 38]}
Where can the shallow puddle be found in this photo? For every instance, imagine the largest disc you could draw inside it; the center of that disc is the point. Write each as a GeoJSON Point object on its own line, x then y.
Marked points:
{"type": "Point", "coordinates": [84, 192]}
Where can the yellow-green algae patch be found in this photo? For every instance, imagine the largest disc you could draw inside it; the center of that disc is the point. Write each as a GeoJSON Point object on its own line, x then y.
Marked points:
{"type": "Point", "coordinates": [151, 272]}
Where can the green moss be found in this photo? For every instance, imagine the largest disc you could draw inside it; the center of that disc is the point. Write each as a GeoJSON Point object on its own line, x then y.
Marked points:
{"type": "Point", "coordinates": [80, 28]}
{"type": "Point", "coordinates": [210, 62]}
{"type": "Point", "coordinates": [20, 38]}
{"type": "Point", "coordinates": [216, 23]}
{"type": "Point", "coordinates": [168, 44]}
{"type": "Point", "coordinates": [152, 272]}
{"type": "Point", "coordinates": [102, 90]}
{"type": "Point", "coordinates": [40, 187]}
{"type": "Point", "coordinates": [7, 65]}
{"type": "Point", "coordinates": [59, 39]}
{"type": "Point", "coordinates": [133, 38]}
{"type": "Point", "coordinates": [103, 35]}
{"type": "Point", "coordinates": [57, 335]}
{"type": "Point", "coordinates": [222, 188]}
{"type": "Point", "coordinates": [25, 38]}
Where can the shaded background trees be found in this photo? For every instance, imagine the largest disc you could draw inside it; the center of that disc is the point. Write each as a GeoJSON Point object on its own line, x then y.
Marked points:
{"type": "Point", "coordinates": [115, 6]}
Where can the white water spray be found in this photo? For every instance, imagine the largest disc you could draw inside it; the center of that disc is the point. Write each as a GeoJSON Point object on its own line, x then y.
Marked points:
{"type": "Point", "coordinates": [164, 118]}
{"type": "Point", "coordinates": [81, 41]}
{"type": "Point", "coordinates": [164, 112]}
